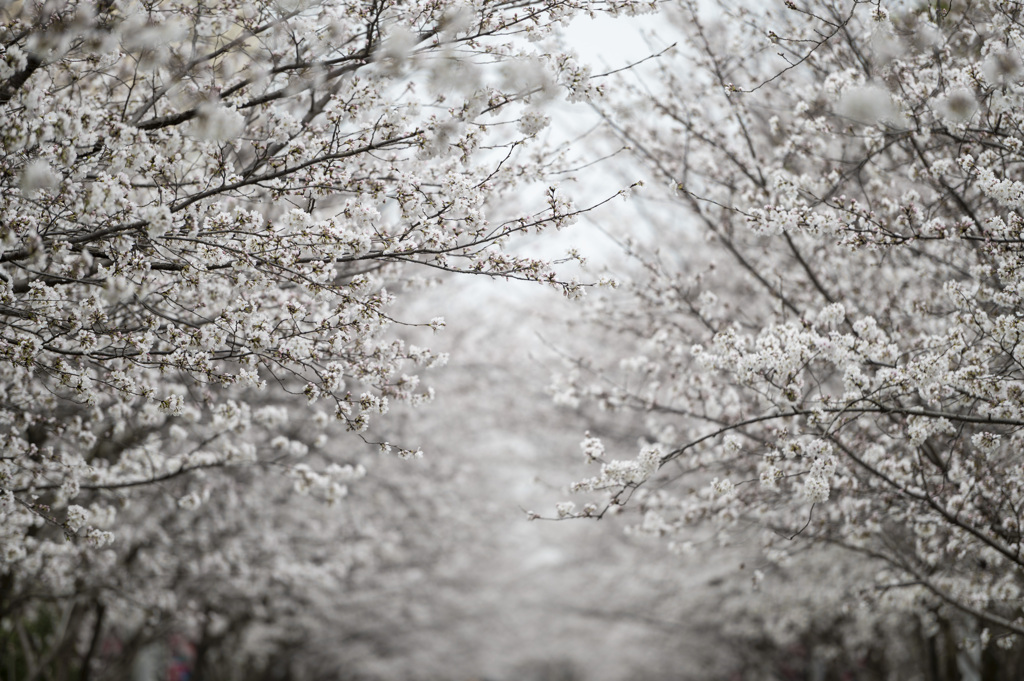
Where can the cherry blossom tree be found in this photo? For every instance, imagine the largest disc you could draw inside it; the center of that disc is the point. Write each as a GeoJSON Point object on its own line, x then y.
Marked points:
{"type": "Point", "coordinates": [825, 331]}
{"type": "Point", "coordinates": [207, 211]}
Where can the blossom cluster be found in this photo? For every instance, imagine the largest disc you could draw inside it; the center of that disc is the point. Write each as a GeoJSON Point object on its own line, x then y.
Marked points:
{"type": "Point", "coordinates": [208, 212]}
{"type": "Point", "coordinates": [832, 344]}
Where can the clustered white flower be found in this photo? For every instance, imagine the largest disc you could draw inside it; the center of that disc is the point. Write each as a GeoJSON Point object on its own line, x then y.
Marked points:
{"type": "Point", "coordinates": [855, 352]}
{"type": "Point", "coordinates": [207, 212]}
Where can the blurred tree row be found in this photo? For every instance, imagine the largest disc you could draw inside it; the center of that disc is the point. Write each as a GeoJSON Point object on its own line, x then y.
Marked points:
{"type": "Point", "coordinates": [218, 218]}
